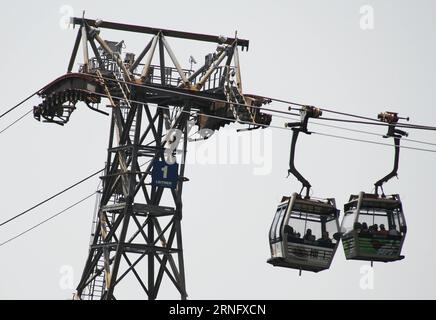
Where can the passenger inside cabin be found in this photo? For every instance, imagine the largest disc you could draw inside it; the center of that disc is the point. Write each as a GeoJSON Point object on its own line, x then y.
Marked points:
{"type": "Point", "coordinates": [291, 233]}
{"type": "Point", "coordinates": [289, 229]}
{"type": "Point", "coordinates": [393, 231]}
{"type": "Point", "coordinates": [383, 230]}
{"type": "Point", "coordinates": [357, 227]}
{"type": "Point", "coordinates": [364, 229]}
{"type": "Point", "coordinates": [309, 236]}
{"type": "Point", "coordinates": [373, 229]}
{"type": "Point", "coordinates": [325, 239]}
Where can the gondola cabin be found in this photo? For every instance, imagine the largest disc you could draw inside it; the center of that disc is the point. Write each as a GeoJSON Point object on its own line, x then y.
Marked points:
{"type": "Point", "coordinates": [304, 234]}
{"type": "Point", "coordinates": [373, 228]}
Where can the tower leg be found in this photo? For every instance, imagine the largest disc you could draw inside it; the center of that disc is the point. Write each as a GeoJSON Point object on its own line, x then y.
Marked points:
{"type": "Point", "coordinates": [137, 219]}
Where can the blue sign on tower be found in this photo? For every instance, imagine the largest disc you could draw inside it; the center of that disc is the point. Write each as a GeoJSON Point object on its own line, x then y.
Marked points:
{"type": "Point", "coordinates": [164, 174]}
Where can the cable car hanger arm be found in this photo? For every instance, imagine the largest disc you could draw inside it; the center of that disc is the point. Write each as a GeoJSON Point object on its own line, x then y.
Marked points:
{"type": "Point", "coordinates": [391, 118]}
{"type": "Point", "coordinates": [306, 112]}
{"type": "Point", "coordinates": [394, 172]}
{"type": "Point", "coordinates": [292, 170]}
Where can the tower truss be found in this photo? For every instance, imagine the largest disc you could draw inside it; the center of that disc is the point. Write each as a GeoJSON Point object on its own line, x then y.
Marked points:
{"type": "Point", "coordinates": [153, 105]}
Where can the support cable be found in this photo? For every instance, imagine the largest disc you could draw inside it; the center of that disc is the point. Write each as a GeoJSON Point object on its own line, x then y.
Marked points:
{"type": "Point", "coordinates": [277, 127]}
{"type": "Point", "coordinates": [47, 220]}
{"type": "Point", "coordinates": [57, 214]}
{"type": "Point", "coordinates": [186, 94]}
{"type": "Point", "coordinates": [369, 141]}
{"type": "Point", "coordinates": [358, 131]}
{"type": "Point", "coordinates": [20, 118]}
{"type": "Point", "coordinates": [19, 104]}
{"type": "Point", "coordinates": [50, 198]}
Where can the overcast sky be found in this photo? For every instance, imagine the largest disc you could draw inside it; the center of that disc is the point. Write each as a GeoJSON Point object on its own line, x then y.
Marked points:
{"type": "Point", "coordinates": [314, 52]}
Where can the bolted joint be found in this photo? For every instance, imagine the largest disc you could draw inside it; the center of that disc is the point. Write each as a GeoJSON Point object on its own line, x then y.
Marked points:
{"type": "Point", "coordinates": [93, 32]}
{"type": "Point", "coordinates": [129, 200]}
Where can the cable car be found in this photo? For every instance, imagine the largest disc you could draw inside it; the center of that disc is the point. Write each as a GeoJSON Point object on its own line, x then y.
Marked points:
{"type": "Point", "coordinates": [374, 227]}
{"type": "Point", "coordinates": [304, 234]}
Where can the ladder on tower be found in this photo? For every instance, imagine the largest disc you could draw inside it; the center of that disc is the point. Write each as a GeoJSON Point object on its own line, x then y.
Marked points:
{"type": "Point", "coordinates": [125, 105]}
{"type": "Point", "coordinates": [118, 93]}
{"type": "Point", "coordinates": [96, 287]}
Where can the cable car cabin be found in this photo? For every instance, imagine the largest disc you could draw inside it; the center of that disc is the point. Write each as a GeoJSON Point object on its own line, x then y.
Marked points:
{"type": "Point", "coordinates": [373, 228]}
{"type": "Point", "coordinates": [304, 234]}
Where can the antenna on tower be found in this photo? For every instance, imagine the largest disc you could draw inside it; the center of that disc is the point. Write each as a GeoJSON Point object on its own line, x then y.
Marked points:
{"type": "Point", "coordinates": [192, 61]}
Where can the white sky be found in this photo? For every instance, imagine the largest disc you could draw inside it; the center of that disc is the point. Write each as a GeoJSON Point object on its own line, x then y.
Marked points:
{"type": "Point", "coordinates": [312, 52]}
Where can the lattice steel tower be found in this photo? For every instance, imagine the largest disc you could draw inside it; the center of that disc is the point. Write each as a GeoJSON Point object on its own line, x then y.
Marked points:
{"type": "Point", "coordinates": [152, 109]}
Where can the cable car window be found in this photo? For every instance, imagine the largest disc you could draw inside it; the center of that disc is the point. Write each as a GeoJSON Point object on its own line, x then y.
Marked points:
{"type": "Point", "coordinates": [279, 212]}
{"type": "Point", "coordinates": [348, 221]}
{"type": "Point", "coordinates": [296, 227]}
{"type": "Point", "coordinates": [402, 222]}
{"type": "Point", "coordinates": [274, 224]}
{"type": "Point", "coordinates": [395, 222]}
{"type": "Point", "coordinates": [378, 222]}
{"type": "Point", "coordinates": [332, 236]}
{"type": "Point", "coordinates": [279, 222]}
{"type": "Point", "coordinates": [312, 229]}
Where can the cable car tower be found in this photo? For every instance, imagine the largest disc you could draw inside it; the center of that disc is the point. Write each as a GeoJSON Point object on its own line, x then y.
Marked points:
{"type": "Point", "coordinates": [137, 226]}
